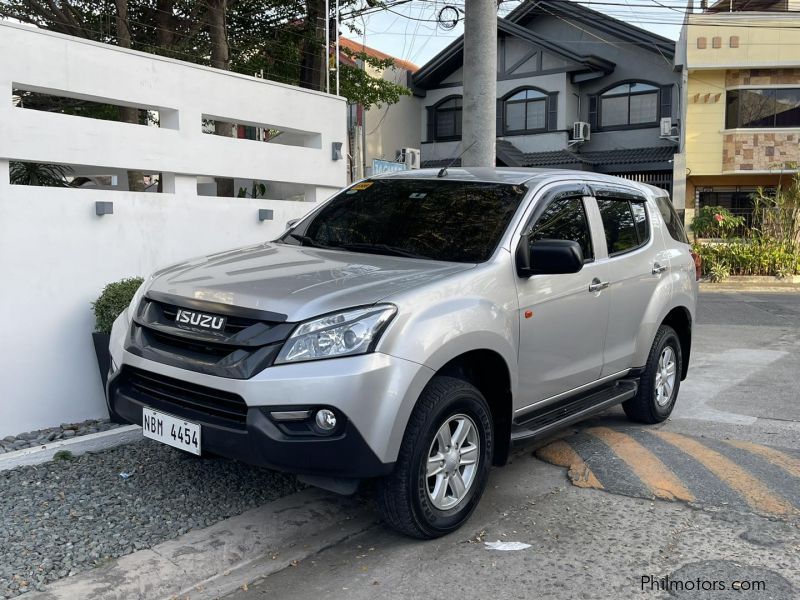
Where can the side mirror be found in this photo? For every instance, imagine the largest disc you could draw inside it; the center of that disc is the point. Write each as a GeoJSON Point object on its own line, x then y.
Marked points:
{"type": "Point", "coordinates": [548, 257]}
{"type": "Point", "coordinates": [291, 223]}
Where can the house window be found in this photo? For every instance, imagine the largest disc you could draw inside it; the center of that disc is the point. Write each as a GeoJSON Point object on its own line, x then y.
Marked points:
{"type": "Point", "coordinates": [447, 119]}
{"type": "Point", "coordinates": [768, 108]}
{"type": "Point", "coordinates": [525, 111]}
{"type": "Point", "coordinates": [629, 105]}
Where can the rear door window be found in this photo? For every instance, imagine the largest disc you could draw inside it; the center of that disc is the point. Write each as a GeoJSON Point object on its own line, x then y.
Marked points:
{"type": "Point", "coordinates": [625, 224]}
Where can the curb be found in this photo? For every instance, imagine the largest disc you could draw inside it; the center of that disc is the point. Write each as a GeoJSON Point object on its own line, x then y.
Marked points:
{"type": "Point", "coordinates": [725, 286]}
{"type": "Point", "coordinates": [92, 442]}
{"type": "Point", "coordinates": [209, 563]}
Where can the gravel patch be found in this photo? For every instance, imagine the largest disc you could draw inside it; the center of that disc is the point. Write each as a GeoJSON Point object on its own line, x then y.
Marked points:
{"type": "Point", "coordinates": [73, 514]}
{"type": "Point", "coordinates": [65, 431]}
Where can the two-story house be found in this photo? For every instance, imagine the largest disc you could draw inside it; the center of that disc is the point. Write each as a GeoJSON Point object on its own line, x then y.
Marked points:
{"type": "Point", "coordinates": [561, 63]}
{"type": "Point", "coordinates": [741, 64]}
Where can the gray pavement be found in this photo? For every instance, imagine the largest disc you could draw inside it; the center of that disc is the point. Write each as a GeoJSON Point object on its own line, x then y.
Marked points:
{"type": "Point", "coordinates": [591, 543]}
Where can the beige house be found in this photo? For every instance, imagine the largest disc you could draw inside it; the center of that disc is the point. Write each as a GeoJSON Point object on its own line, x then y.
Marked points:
{"type": "Point", "coordinates": [740, 62]}
{"type": "Point", "coordinates": [381, 132]}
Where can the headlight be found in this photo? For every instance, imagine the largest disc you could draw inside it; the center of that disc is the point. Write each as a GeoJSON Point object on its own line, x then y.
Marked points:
{"type": "Point", "coordinates": [341, 334]}
{"type": "Point", "coordinates": [137, 297]}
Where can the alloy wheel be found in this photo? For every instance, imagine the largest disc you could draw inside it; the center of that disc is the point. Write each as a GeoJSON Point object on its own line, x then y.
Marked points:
{"type": "Point", "coordinates": [452, 463]}
{"type": "Point", "coordinates": [665, 376]}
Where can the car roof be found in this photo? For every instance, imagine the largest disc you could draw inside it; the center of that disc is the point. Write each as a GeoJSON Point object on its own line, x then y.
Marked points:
{"type": "Point", "coordinates": [517, 176]}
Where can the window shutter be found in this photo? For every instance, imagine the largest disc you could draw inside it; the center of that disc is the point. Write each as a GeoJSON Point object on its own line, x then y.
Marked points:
{"type": "Point", "coordinates": [499, 118]}
{"type": "Point", "coordinates": [552, 111]}
{"type": "Point", "coordinates": [593, 121]}
{"type": "Point", "coordinates": [665, 110]}
{"type": "Point", "coordinates": [431, 115]}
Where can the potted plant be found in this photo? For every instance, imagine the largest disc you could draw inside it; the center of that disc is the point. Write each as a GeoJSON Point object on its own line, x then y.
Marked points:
{"type": "Point", "coordinates": [114, 299]}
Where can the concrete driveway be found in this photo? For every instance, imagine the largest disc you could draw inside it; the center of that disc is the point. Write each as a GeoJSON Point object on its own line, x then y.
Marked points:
{"type": "Point", "coordinates": [724, 526]}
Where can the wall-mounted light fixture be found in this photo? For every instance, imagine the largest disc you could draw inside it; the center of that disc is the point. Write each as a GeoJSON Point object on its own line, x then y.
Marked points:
{"type": "Point", "coordinates": [336, 151]}
{"type": "Point", "coordinates": [265, 214]}
{"type": "Point", "coordinates": [103, 208]}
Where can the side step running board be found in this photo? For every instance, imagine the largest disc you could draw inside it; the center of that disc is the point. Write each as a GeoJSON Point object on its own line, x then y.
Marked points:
{"type": "Point", "coordinates": [572, 410]}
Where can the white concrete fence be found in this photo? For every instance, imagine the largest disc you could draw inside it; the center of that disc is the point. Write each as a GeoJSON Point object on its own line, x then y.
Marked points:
{"type": "Point", "coordinates": [56, 254]}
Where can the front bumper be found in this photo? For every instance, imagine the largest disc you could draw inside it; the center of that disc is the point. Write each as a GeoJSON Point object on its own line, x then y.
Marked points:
{"type": "Point", "coordinates": [373, 394]}
{"type": "Point", "coordinates": [260, 441]}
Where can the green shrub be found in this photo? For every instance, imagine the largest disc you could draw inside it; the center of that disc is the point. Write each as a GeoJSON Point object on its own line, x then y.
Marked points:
{"type": "Point", "coordinates": [716, 222]}
{"type": "Point", "coordinates": [719, 271]}
{"type": "Point", "coordinates": [776, 214]}
{"type": "Point", "coordinates": [114, 299]}
{"type": "Point", "coordinates": [760, 256]}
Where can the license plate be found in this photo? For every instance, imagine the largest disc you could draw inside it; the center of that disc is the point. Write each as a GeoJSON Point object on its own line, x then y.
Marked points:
{"type": "Point", "coordinates": [170, 430]}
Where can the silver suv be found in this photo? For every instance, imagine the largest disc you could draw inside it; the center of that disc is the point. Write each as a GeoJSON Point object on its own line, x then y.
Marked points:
{"type": "Point", "coordinates": [411, 328]}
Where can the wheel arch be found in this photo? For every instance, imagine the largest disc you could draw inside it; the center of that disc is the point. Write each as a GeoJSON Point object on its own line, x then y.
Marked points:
{"type": "Point", "coordinates": [488, 371]}
{"type": "Point", "coordinates": [680, 319]}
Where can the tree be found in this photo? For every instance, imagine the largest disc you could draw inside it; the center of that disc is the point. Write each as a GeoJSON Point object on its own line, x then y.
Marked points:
{"type": "Point", "coordinates": [127, 114]}
{"type": "Point", "coordinates": [359, 87]}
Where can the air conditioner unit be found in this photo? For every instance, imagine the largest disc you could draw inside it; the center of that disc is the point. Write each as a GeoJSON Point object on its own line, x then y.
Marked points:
{"type": "Point", "coordinates": [666, 127]}
{"type": "Point", "coordinates": [411, 157]}
{"type": "Point", "coordinates": [581, 131]}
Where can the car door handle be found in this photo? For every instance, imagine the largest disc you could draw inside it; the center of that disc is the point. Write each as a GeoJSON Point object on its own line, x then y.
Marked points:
{"type": "Point", "coordinates": [658, 268]}
{"type": "Point", "coordinates": [598, 285]}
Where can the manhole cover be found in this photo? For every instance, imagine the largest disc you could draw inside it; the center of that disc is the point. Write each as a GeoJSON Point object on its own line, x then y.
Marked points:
{"type": "Point", "coordinates": [723, 580]}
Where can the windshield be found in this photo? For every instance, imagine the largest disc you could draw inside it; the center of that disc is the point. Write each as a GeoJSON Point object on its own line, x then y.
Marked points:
{"type": "Point", "coordinates": [457, 221]}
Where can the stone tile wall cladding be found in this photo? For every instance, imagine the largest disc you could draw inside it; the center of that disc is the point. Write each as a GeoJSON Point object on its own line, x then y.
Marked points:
{"type": "Point", "coordinates": [759, 151]}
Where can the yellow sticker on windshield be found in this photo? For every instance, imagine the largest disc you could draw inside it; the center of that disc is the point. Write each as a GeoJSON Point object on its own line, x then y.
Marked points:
{"type": "Point", "coordinates": [361, 186]}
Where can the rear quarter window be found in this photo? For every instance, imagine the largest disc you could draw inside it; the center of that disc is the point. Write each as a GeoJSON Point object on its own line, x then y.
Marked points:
{"type": "Point", "coordinates": [671, 220]}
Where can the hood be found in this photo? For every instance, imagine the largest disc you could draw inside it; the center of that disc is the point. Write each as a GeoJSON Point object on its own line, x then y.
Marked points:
{"type": "Point", "coordinates": [298, 281]}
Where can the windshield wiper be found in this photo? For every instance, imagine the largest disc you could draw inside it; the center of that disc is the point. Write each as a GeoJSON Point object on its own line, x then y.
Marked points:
{"type": "Point", "coordinates": [380, 249]}
{"type": "Point", "coordinates": [307, 241]}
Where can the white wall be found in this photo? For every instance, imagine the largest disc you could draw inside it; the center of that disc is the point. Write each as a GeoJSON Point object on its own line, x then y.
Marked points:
{"type": "Point", "coordinates": [56, 254]}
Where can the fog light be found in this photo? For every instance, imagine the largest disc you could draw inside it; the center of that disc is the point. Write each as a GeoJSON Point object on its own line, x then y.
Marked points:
{"type": "Point", "coordinates": [325, 419]}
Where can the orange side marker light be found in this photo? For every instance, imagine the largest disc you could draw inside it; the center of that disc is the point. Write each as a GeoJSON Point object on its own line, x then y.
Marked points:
{"type": "Point", "coordinates": [528, 314]}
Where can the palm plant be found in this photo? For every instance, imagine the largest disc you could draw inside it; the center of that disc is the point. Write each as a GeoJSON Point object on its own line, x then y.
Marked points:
{"type": "Point", "coordinates": [42, 174]}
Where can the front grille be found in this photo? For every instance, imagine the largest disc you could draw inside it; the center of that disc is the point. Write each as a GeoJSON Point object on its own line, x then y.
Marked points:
{"type": "Point", "coordinates": [183, 399]}
{"type": "Point", "coordinates": [178, 344]}
{"type": "Point", "coordinates": [248, 344]}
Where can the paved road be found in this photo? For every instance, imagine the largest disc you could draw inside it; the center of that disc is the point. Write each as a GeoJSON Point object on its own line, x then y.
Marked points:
{"type": "Point", "coordinates": [707, 500]}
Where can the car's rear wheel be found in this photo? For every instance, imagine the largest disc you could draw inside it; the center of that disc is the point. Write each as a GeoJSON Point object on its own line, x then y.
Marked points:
{"type": "Point", "coordinates": [443, 464]}
{"type": "Point", "coordinates": [660, 382]}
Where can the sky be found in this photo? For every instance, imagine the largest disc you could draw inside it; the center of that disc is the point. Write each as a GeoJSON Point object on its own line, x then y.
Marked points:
{"type": "Point", "coordinates": [410, 31]}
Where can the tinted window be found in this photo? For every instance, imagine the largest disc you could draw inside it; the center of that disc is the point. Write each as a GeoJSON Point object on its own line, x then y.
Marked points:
{"type": "Point", "coordinates": [671, 220]}
{"type": "Point", "coordinates": [619, 225]}
{"type": "Point", "coordinates": [447, 119]}
{"type": "Point", "coordinates": [565, 219]}
{"type": "Point", "coordinates": [763, 108]}
{"type": "Point", "coordinates": [436, 219]}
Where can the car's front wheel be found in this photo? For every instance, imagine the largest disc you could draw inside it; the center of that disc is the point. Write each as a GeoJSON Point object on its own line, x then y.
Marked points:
{"type": "Point", "coordinates": [444, 461]}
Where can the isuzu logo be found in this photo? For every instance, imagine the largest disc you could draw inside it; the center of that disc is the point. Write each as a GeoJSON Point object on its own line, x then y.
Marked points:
{"type": "Point", "coordinates": [202, 320]}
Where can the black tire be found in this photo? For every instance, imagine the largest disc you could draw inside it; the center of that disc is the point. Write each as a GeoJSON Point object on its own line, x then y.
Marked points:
{"type": "Point", "coordinates": [402, 496]}
{"type": "Point", "coordinates": [644, 407]}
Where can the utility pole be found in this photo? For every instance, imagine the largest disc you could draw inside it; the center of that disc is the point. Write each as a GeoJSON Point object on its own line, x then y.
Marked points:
{"type": "Point", "coordinates": [480, 83]}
